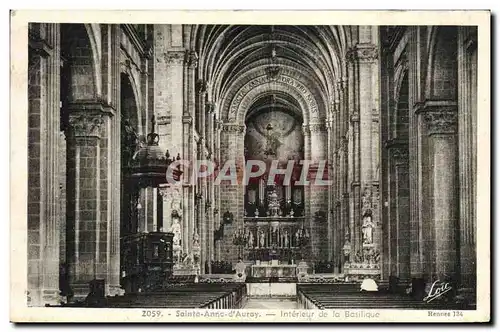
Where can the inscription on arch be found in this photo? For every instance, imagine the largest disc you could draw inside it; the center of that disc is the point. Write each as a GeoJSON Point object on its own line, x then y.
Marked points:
{"type": "Point", "coordinates": [301, 88]}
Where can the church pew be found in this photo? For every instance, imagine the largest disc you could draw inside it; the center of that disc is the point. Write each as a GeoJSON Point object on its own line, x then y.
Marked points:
{"type": "Point", "coordinates": [219, 296]}
{"type": "Point", "coordinates": [337, 296]}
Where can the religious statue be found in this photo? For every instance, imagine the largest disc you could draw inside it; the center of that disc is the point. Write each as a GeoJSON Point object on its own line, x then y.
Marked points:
{"type": "Point", "coordinates": [298, 234]}
{"type": "Point", "coordinates": [285, 242]}
{"type": "Point", "coordinates": [367, 200]}
{"type": "Point", "coordinates": [196, 245]}
{"type": "Point", "coordinates": [262, 239]}
{"type": "Point", "coordinates": [273, 141]}
{"type": "Point", "coordinates": [250, 239]}
{"type": "Point", "coordinates": [196, 240]}
{"type": "Point", "coordinates": [367, 227]}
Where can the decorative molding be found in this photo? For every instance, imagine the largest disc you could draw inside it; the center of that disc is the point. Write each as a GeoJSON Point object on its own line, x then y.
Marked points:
{"type": "Point", "coordinates": [317, 127]}
{"type": "Point", "coordinates": [244, 98]}
{"type": "Point", "coordinates": [233, 128]}
{"type": "Point", "coordinates": [85, 125]}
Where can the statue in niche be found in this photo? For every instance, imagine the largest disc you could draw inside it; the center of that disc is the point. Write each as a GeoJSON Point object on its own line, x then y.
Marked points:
{"type": "Point", "coordinates": [286, 241]}
{"type": "Point", "coordinates": [262, 239]}
{"type": "Point", "coordinates": [367, 227]}
{"type": "Point", "coordinates": [196, 240]}
{"type": "Point", "coordinates": [298, 235]}
{"type": "Point", "coordinates": [196, 245]}
{"type": "Point", "coordinates": [250, 239]}
{"type": "Point", "coordinates": [367, 200]}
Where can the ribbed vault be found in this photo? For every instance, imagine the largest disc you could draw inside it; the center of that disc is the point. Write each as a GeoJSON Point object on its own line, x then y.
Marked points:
{"type": "Point", "coordinates": [232, 56]}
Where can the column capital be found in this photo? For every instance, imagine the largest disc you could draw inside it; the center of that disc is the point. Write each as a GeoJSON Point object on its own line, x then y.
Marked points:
{"type": "Point", "coordinates": [85, 124]}
{"type": "Point", "coordinates": [187, 119]}
{"type": "Point", "coordinates": [306, 130]}
{"type": "Point", "coordinates": [366, 53]}
{"type": "Point", "coordinates": [400, 155]}
{"type": "Point", "coordinates": [219, 125]}
{"type": "Point", "coordinates": [174, 57]}
{"type": "Point", "coordinates": [354, 117]}
{"type": "Point", "coordinates": [191, 59]}
{"type": "Point", "coordinates": [201, 87]}
{"type": "Point", "coordinates": [163, 119]}
{"type": "Point", "coordinates": [441, 121]}
{"type": "Point", "coordinates": [210, 107]}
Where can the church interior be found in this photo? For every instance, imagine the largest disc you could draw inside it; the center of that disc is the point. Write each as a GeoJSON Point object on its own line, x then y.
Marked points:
{"type": "Point", "coordinates": [387, 114]}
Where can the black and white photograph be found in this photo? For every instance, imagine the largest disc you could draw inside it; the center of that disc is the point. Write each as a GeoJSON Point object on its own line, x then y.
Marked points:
{"type": "Point", "coordinates": [223, 170]}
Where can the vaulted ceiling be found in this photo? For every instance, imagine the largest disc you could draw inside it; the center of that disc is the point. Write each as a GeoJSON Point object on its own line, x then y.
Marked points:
{"type": "Point", "coordinates": [227, 54]}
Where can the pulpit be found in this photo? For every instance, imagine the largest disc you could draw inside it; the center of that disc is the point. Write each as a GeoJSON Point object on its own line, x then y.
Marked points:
{"type": "Point", "coordinates": [147, 260]}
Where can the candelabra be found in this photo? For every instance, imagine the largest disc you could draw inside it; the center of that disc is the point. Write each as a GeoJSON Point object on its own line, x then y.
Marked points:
{"type": "Point", "coordinates": [303, 239]}
{"type": "Point", "coordinates": [240, 239]}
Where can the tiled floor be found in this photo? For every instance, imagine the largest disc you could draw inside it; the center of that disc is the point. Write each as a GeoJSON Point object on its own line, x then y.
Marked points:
{"type": "Point", "coordinates": [270, 304]}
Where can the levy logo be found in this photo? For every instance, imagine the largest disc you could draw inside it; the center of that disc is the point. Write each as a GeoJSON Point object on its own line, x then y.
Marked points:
{"type": "Point", "coordinates": [437, 290]}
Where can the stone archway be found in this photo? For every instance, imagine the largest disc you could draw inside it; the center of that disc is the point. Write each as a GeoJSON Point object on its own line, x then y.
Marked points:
{"type": "Point", "coordinates": [314, 131]}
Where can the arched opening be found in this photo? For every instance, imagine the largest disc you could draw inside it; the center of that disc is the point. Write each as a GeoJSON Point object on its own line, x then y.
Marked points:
{"type": "Point", "coordinates": [274, 137]}
{"type": "Point", "coordinates": [399, 192]}
{"type": "Point", "coordinates": [130, 204]}
{"type": "Point", "coordinates": [77, 84]}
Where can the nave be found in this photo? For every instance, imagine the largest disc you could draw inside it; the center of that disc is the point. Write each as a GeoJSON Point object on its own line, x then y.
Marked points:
{"type": "Point", "coordinates": [386, 114]}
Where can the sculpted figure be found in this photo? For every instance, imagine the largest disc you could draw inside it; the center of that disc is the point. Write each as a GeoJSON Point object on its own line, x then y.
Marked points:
{"type": "Point", "coordinates": [367, 228]}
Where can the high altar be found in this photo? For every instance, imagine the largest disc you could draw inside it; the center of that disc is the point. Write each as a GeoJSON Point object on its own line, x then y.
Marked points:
{"type": "Point", "coordinates": [276, 238]}
{"type": "Point", "coordinates": [273, 269]}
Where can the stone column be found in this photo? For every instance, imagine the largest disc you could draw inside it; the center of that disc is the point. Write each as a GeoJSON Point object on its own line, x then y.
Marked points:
{"type": "Point", "coordinates": [217, 191]}
{"type": "Point", "coordinates": [318, 199]}
{"type": "Point", "coordinates": [330, 228]}
{"type": "Point", "coordinates": [400, 200]}
{"type": "Point", "coordinates": [211, 192]}
{"type": "Point", "coordinates": [114, 168]}
{"type": "Point", "coordinates": [202, 190]}
{"type": "Point", "coordinates": [307, 188]}
{"type": "Point", "coordinates": [442, 130]}
{"type": "Point", "coordinates": [467, 131]}
{"type": "Point", "coordinates": [188, 144]}
{"type": "Point", "coordinates": [86, 125]}
{"type": "Point", "coordinates": [363, 79]}
{"type": "Point", "coordinates": [43, 167]}
{"type": "Point", "coordinates": [230, 192]}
